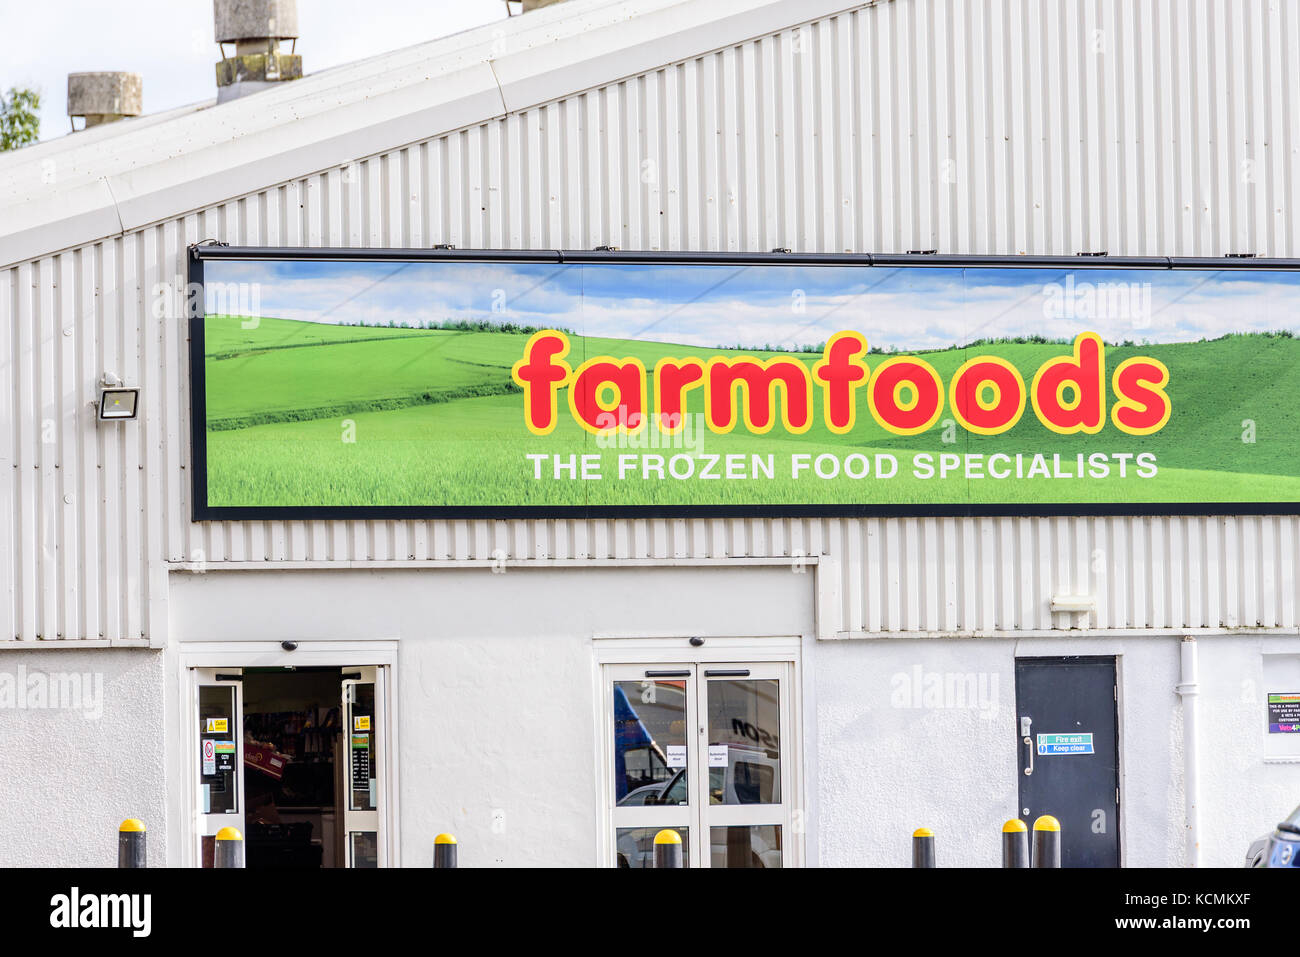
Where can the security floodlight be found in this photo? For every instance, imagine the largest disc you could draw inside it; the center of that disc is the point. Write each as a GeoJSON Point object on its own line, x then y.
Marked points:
{"type": "Point", "coordinates": [117, 401]}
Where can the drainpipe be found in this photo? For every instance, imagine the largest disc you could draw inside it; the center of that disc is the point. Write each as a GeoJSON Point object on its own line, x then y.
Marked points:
{"type": "Point", "coordinates": [1188, 688]}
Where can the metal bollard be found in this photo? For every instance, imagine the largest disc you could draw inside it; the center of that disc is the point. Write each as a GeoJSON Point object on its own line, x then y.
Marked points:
{"type": "Point", "coordinates": [229, 848]}
{"type": "Point", "coordinates": [1015, 843]}
{"type": "Point", "coordinates": [1047, 842]}
{"type": "Point", "coordinates": [923, 847]}
{"type": "Point", "coordinates": [130, 843]}
{"type": "Point", "coordinates": [668, 849]}
{"type": "Point", "coordinates": [444, 851]}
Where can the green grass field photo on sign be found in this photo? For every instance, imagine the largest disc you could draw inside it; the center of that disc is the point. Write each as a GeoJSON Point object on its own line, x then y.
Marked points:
{"type": "Point", "coordinates": [482, 385]}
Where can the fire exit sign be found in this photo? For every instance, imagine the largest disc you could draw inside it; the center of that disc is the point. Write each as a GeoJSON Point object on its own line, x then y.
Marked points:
{"type": "Point", "coordinates": [1078, 743]}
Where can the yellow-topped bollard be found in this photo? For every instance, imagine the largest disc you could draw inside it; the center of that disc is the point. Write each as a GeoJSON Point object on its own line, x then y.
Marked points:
{"type": "Point", "coordinates": [229, 848]}
{"type": "Point", "coordinates": [1015, 843]}
{"type": "Point", "coordinates": [923, 847]}
{"type": "Point", "coordinates": [130, 843]}
{"type": "Point", "coordinates": [1047, 842]}
{"type": "Point", "coordinates": [668, 849]}
{"type": "Point", "coordinates": [444, 851]}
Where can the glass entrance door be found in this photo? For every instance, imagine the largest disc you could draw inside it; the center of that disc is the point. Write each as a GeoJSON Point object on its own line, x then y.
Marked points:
{"type": "Point", "coordinates": [218, 755]}
{"type": "Point", "coordinates": [698, 748]}
{"type": "Point", "coordinates": [745, 724]}
{"type": "Point", "coordinates": [653, 713]}
{"type": "Point", "coordinates": [363, 776]}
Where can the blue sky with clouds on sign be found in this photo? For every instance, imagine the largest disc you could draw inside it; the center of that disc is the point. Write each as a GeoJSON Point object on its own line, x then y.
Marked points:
{"type": "Point", "coordinates": [788, 306]}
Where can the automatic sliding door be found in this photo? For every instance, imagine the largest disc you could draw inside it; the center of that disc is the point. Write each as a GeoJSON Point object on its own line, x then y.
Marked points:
{"type": "Point", "coordinates": [746, 809]}
{"type": "Point", "coordinates": [700, 748]}
{"type": "Point", "coordinates": [652, 710]}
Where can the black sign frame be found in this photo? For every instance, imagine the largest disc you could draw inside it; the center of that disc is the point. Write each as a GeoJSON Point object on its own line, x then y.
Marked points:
{"type": "Point", "coordinates": [201, 511]}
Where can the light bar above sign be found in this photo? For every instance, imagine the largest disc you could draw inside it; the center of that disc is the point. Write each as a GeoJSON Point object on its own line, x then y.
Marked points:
{"type": "Point", "coordinates": [334, 383]}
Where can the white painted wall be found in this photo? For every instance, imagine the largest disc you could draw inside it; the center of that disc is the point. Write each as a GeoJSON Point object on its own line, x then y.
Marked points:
{"type": "Point", "coordinates": [496, 688]}
{"type": "Point", "coordinates": [1242, 794]}
{"type": "Point", "coordinates": [496, 676]}
{"type": "Point", "coordinates": [71, 777]}
{"type": "Point", "coordinates": [497, 703]}
{"type": "Point", "coordinates": [887, 770]}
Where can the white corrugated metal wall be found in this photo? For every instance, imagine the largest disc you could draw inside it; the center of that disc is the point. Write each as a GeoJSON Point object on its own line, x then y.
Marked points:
{"type": "Point", "coordinates": [1004, 126]}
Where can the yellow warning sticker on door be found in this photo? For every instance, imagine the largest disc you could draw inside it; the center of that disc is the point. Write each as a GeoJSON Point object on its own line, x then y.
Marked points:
{"type": "Point", "coordinates": [361, 722]}
{"type": "Point", "coordinates": [217, 726]}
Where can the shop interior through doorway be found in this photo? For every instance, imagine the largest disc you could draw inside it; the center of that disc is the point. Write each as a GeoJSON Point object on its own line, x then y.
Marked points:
{"type": "Point", "coordinates": [293, 769]}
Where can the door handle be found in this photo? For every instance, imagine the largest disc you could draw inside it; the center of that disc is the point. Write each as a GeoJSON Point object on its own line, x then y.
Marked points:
{"type": "Point", "coordinates": [1026, 726]}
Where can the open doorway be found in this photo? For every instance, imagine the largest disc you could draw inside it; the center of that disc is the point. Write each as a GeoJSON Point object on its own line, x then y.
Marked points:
{"type": "Point", "coordinates": [293, 775]}
{"type": "Point", "coordinates": [298, 759]}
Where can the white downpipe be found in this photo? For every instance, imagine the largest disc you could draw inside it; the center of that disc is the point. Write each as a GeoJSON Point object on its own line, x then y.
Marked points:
{"type": "Point", "coordinates": [1189, 687]}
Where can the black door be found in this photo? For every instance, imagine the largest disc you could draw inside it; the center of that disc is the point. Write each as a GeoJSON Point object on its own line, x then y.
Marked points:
{"type": "Point", "coordinates": [1068, 751]}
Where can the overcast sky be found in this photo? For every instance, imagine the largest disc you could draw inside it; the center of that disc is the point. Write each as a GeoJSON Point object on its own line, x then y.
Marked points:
{"type": "Point", "coordinates": [170, 42]}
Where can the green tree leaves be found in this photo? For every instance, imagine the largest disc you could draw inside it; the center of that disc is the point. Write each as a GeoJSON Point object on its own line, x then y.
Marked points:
{"type": "Point", "coordinates": [20, 122]}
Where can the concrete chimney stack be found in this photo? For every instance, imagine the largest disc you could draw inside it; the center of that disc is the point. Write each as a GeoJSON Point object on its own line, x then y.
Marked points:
{"type": "Point", "coordinates": [256, 28]}
{"type": "Point", "coordinates": [104, 97]}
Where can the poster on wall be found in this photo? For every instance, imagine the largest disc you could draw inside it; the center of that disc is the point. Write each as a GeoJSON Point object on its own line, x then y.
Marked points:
{"type": "Point", "coordinates": [1284, 713]}
{"type": "Point", "coordinates": [537, 384]}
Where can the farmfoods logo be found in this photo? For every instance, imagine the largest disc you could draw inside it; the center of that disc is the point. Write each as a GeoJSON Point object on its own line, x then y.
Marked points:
{"type": "Point", "coordinates": [905, 395]}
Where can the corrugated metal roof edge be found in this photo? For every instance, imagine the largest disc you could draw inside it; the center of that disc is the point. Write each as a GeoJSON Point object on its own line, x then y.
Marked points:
{"type": "Point", "coordinates": [247, 161]}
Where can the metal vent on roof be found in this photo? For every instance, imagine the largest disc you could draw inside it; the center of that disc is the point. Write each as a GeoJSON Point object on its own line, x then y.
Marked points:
{"type": "Point", "coordinates": [104, 97]}
{"type": "Point", "coordinates": [257, 28]}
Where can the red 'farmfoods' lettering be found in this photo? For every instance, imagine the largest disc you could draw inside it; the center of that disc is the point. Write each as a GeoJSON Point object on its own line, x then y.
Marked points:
{"type": "Point", "coordinates": [905, 395]}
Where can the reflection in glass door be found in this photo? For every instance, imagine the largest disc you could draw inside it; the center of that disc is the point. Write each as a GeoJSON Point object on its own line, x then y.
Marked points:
{"type": "Point", "coordinates": [653, 710]}
{"type": "Point", "coordinates": [746, 814]}
{"type": "Point", "coordinates": [698, 748]}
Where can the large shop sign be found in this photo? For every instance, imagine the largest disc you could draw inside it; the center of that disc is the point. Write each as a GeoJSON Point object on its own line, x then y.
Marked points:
{"type": "Point", "coordinates": [330, 383]}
